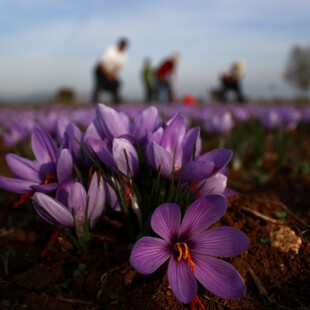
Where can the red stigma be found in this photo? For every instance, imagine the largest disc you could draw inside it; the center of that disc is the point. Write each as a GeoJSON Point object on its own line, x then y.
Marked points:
{"type": "Point", "coordinates": [184, 253]}
{"type": "Point", "coordinates": [195, 188]}
{"type": "Point", "coordinates": [23, 199]}
{"type": "Point", "coordinates": [51, 245]}
{"type": "Point", "coordinates": [197, 301]}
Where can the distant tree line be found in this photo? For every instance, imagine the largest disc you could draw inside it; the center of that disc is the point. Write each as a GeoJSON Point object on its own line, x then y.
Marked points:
{"type": "Point", "coordinates": [297, 71]}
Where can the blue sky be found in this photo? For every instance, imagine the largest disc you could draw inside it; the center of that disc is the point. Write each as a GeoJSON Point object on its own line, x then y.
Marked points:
{"type": "Point", "coordinates": [47, 44]}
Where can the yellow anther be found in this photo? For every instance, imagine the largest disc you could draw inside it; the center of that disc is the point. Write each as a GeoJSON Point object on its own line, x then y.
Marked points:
{"type": "Point", "coordinates": [179, 248]}
{"type": "Point", "coordinates": [184, 253]}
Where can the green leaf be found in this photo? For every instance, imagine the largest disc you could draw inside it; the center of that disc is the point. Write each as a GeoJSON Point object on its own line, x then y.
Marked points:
{"type": "Point", "coordinates": [280, 214]}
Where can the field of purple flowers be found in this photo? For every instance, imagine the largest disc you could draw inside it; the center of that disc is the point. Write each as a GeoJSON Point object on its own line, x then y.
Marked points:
{"type": "Point", "coordinates": [155, 207]}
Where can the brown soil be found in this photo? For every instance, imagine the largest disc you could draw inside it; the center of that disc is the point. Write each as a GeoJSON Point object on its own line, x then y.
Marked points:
{"type": "Point", "coordinates": [276, 267]}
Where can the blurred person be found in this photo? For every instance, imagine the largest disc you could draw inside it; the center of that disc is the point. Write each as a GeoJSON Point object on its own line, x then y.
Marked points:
{"type": "Point", "coordinates": [231, 81]}
{"type": "Point", "coordinates": [148, 80]}
{"type": "Point", "coordinates": [107, 71]}
{"type": "Point", "coordinates": [165, 76]}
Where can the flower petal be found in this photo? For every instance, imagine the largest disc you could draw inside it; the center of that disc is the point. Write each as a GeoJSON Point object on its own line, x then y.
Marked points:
{"type": "Point", "coordinates": [219, 277]}
{"type": "Point", "coordinates": [220, 158]}
{"type": "Point", "coordinates": [15, 185]}
{"type": "Point", "coordinates": [148, 254]}
{"type": "Point", "coordinates": [45, 188]}
{"type": "Point", "coordinates": [191, 144]}
{"type": "Point", "coordinates": [202, 213]}
{"type": "Point", "coordinates": [216, 184]}
{"type": "Point", "coordinates": [71, 140]}
{"type": "Point", "coordinates": [182, 280]}
{"type": "Point", "coordinates": [125, 157]}
{"type": "Point", "coordinates": [166, 220]}
{"type": "Point", "coordinates": [23, 168]}
{"type": "Point", "coordinates": [159, 158]}
{"type": "Point", "coordinates": [110, 123]}
{"type": "Point", "coordinates": [55, 211]}
{"type": "Point", "coordinates": [77, 199]}
{"type": "Point", "coordinates": [174, 134]}
{"type": "Point", "coordinates": [195, 171]}
{"type": "Point", "coordinates": [64, 165]}
{"type": "Point", "coordinates": [221, 241]}
{"type": "Point", "coordinates": [43, 146]}
{"type": "Point", "coordinates": [147, 120]}
{"type": "Point", "coordinates": [96, 199]}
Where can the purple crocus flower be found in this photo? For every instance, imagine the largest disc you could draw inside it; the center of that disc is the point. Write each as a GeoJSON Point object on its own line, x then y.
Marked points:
{"type": "Point", "coordinates": [45, 173]}
{"type": "Point", "coordinates": [175, 149]}
{"type": "Point", "coordinates": [121, 157]}
{"type": "Point", "coordinates": [217, 180]}
{"type": "Point", "coordinates": [69, 209]}
{"type": "Point", "coordinates": [113, 124]}
{"type": "Point", "coordinates": [192, 250]}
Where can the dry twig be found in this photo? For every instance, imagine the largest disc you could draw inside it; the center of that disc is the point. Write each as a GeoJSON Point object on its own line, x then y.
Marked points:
{"type": "Point", "coordinates": [73, 301]}
{"type": "Point", "coordinates": [260, 287]}
{"type": "Point", "coordinates": [283, 206]}
{"type": "Point", "coordinates": [262, 216]}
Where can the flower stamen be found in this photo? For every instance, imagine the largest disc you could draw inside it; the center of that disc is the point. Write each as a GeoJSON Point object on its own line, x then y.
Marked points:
{"type": "Point", "coordinates": [50, 178]}
{"type": "Point", "coordinates": [184, 253]}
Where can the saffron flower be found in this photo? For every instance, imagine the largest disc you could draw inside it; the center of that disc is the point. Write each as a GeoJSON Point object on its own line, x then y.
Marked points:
{"type": "Point", "coordinates": [45, 173]}
{"type": "Point", "coordinates": [73, 207]}
{"type": "Point", "coordinates": [193, 251]}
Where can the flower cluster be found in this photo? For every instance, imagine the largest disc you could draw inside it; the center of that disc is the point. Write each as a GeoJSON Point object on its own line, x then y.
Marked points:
{"type": "Point", "coordinates": [153, 171]}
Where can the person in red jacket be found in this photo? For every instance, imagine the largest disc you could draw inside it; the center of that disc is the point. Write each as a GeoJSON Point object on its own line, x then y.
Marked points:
{"type": "Point", "coordinates": [165, 74]}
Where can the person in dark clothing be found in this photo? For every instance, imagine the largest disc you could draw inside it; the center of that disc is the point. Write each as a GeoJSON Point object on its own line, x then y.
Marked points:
{"type": "Point", "coordinates": [231, 81]}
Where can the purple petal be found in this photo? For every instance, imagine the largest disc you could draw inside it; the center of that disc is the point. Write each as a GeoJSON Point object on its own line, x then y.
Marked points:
{"type": "Point", "coordinates": [202, 213]}
{"type": "Point", "coordinates": [43, 146]}
{"type": "Point", "coordinates": [219, 277]}
{"type": "Point", "coordinates": [96, 199]}
{"type": "Point", "coordinates": [195, 171]}
{"type": "Point", "coordinates": [125, 157]}
{"type": "Point", "coordinates": [71, 137]}
{"type": "Point", "coordinates": [106, 157]}
{"type": "Point", "coordinates": [55, 210]}
{"type": "Point", "coordinates": [216, 184]}
{"type": "Point", "coordinates": [182, 280]}
{"type": "Point", "coordinates": [45, 188]}
{"type": "Point", "coordinates": [221, 241]}
{"type": "Point", "coordinates": [159, 158]}
{"type": "Point", "coordinates": [148, 254]}
{"type": "Point", "coordinates": [95, 144]}
{"type": "Point", "coordinates": [23, 168]}
{"type": "Point", "coordinates": [111, 197]}
{"type": "Point", "coordinates": [111, 123]}
{"type": "Point", "coordinates": [91, 132]}
{"type": "Point", "coordinates": [174, 134]}
{"type": "Point", "coordinates": [191, 144]}
{"type": "Point", "coordinates": [166, 221]}
{"type": "Point", "coordinates": [62, 192]}
{"type": "Point", "coordinates": [15, 185]}
{"type": "Point", "coordinates": [155, 136]}
{"type": "Point", "coordinates": [147, 120]}
{"type": "Point", "coordinates": [64, 165]}
{"type": "Point", "coordinates": [77, 199]}
{"type": "Point", "coordinates": [220, 158]}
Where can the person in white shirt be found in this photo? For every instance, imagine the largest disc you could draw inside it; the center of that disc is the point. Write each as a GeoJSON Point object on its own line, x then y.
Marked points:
{"type": "Point", "coordinates": [107, 70]}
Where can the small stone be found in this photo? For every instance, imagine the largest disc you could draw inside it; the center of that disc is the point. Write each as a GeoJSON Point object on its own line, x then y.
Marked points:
{"type": "Point", "coordinates": [286, 240]}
